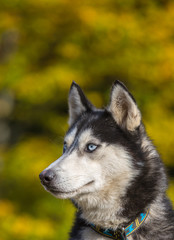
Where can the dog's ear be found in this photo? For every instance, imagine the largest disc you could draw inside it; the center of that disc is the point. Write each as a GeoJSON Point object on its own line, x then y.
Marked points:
{"type": "Point", "coordinates": [124, 108]}
{"type": "Point", "coordinates": [78, 103]}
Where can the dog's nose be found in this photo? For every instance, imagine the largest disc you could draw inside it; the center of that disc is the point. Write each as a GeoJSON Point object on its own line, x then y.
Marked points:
{"type": "Point", "coordinates": [47, 176]}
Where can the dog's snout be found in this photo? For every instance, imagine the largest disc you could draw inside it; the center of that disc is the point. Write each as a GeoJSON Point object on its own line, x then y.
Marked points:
{"type": "Point", "coordinates": [47, 176]}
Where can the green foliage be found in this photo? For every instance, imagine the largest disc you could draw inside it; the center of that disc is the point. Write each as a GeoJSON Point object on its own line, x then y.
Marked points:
{"type": "Point", "coordinates": [46, 44]}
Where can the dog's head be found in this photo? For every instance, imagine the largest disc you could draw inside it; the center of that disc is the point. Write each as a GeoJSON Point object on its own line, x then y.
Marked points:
{"type": "Point", "coordinates": [97, 148]}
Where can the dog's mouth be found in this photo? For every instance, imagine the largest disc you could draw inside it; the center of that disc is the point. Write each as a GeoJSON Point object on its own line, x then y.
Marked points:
{"type": "Point", "coordinates": [55, 191]}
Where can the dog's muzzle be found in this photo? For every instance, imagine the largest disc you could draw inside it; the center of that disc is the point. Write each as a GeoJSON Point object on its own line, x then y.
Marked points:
{"type": "Point", "coordinates": [47, 177]}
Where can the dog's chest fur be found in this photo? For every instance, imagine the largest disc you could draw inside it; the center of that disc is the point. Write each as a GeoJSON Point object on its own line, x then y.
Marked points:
{"type": "Point", "coordinates": [88, 234]}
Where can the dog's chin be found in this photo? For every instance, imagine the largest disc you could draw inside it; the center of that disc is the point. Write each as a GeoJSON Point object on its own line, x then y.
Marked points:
{"type": "Point", "coordinates": [85, 189]}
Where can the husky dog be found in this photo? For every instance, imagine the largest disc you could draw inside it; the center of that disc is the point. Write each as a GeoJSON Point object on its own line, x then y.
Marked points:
{"type": "Point", "coordinates": [111, 171]}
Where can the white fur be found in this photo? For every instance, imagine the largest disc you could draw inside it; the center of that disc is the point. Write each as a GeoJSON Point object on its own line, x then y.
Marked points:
{"type": "Point", "coordinates": [108, 170]}
{"type": "Point", "coordinates": [117, 176]}
{"type": "Point", "coordinates": [70, 137]}
{"type": "Point", "coordinates": [72, 174]}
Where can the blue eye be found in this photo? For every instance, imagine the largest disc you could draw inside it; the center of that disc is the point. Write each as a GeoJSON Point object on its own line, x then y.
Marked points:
{"type": "Point", "coordinates": [64, 147]}
{"type": "Point", "coordinates": [91, 147]}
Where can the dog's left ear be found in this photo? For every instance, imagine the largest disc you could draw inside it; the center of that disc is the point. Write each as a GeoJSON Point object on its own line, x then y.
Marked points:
{"type": "Point", "coordinates": [78, 103]}
{"type": "Point", "coordinates": [124, 108]}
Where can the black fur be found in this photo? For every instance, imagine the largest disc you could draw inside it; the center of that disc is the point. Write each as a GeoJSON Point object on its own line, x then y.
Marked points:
{"type": "Point", "coordinates": [79, 225]}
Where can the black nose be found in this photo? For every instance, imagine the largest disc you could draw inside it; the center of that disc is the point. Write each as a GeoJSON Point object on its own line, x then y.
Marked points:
{"type": "Point", "coordinates": [47, 176]}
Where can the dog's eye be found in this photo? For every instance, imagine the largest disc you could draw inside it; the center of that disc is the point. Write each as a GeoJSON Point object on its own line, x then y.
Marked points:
{"type": "Point", "coordinates": [91, 147]}
{"type": "Point", "coordinates": [64, 147]}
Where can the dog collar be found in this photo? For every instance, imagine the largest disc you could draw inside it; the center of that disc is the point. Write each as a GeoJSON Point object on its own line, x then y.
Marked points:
{"type": "Point", "coordinates": [121, 233]}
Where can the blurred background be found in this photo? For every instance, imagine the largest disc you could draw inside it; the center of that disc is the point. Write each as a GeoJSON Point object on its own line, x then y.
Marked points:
{"type": "Point", "coordinates": [44, 46]}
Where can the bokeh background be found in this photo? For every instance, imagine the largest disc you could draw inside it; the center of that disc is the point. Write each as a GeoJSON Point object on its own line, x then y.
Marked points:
{"type": "Point", "coordinates": [44, 46]}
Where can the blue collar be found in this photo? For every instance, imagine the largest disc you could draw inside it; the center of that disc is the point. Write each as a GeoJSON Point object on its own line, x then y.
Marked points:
{"type": "Point", "coordinates": [121, 233]}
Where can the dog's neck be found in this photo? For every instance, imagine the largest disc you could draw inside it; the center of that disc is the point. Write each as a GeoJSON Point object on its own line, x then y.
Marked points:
{"type": "Point", "coordinates": [112, 218]}
{"type": "Point", "coordinates": [105, 213]}
{"type": "Point", "coordinates": [105, 218]}
{"type": "Point", "coordinates": [104, 208]}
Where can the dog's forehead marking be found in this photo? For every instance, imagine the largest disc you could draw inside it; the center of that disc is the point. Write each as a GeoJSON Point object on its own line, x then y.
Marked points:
{"type": "Point", "coordinates": [69, 138]}
{"type": "Point", "coordinates": [87, 136]}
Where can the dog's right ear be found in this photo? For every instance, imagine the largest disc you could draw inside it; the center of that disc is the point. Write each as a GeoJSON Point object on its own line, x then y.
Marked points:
{"type": "Point", "coordinates": [78, 103]}
{"type": "Point", "coordinates": [124, 108]}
